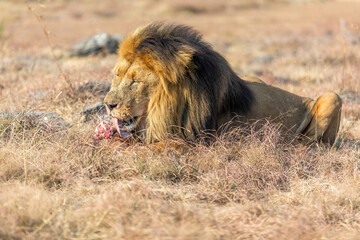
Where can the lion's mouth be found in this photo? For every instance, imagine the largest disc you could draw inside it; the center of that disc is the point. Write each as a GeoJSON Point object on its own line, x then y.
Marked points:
{"type": "Point", "coordinates": [123, 127]}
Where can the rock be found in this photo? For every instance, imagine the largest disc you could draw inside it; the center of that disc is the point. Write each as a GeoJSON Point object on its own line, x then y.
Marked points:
{"type": "Point", "coordinates": [97, 88]}
{"type": "Point", "coordinates": [47, 121]}
{"type": "Point", "coordinates": [99, 43]}
{"type": "Point", "coordinates": [25, 62]}
{"type": "Point", "coordinates": [38, 96]}
{"type": "Point", "coordinates": [96, 108]}
{"type": "Point", "coordinates": [95, 111]}
{"type": "Point", "coordinates": [350, 96]}
{"type": "Point", "coordinates": [44, 121]}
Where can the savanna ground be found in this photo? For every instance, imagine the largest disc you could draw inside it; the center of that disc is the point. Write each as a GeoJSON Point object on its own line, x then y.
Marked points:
{"type": "Point", "coordinates": [259, 186]}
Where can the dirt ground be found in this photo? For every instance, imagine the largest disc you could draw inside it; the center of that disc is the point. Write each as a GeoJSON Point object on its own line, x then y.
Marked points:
{"type": "Point", "coordinates": [67, 187]}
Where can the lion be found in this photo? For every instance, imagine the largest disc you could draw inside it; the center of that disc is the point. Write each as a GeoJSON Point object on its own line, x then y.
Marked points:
{"type": "Point", "coordinates": [169, 82]}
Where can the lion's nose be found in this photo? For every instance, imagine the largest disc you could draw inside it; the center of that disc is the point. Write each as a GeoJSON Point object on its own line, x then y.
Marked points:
{"type": "Point", "coordinates": [111, 106]}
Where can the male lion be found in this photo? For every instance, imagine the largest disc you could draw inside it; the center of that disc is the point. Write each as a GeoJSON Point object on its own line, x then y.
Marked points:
{"type": "Point", "coordinates": [169, 82]}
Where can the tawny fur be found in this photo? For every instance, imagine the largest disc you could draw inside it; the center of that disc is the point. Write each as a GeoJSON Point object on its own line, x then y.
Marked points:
{"type": "Point", "coordinates": [184, 88]}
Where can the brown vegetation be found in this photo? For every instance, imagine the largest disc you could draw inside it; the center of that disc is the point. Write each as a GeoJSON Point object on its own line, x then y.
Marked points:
{"type": "Point", "coordinates": [259, 186]}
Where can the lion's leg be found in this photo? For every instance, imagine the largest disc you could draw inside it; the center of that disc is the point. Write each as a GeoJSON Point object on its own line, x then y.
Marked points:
{"type": "Point", "coordinates": [323, 119]}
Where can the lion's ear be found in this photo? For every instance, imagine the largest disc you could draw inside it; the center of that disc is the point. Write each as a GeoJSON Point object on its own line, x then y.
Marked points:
{"type": "Point", "coordinates": [170, 67]}
{"type": "Point", "coordinates": [169, 59]}
{"type": "Point", "coordinates": [176, 68]}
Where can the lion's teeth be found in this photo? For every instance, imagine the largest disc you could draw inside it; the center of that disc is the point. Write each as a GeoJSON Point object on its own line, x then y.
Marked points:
{"type": "Point", "coordinates": [116, 124]}
{"type": "Point", "coordinates": [119, 127]}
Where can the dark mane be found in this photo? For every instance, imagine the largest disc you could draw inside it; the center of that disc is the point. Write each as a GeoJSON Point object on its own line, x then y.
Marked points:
{"type": "Point", "coordinates": [160, 37]}
{"type": "Point", "coordinates": [166, 39]}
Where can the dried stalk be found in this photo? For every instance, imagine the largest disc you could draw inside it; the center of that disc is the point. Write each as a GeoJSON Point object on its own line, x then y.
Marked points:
{"type": "Point", "coordinates": [46, 32]}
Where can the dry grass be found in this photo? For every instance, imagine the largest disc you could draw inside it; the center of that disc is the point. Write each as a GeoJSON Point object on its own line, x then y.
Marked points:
{"type": "Point", "coordinates": [255, 186]}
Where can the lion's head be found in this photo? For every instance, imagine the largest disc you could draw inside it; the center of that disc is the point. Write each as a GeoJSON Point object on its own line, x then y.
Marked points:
{"type": "Point", "coordinates": [127, 101]}
{"type": "Point", "coordinates": [168, 82]}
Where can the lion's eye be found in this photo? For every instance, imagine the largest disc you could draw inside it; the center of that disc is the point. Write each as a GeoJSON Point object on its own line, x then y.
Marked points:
{"type": "Point", "coordinates": [132, 82]}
